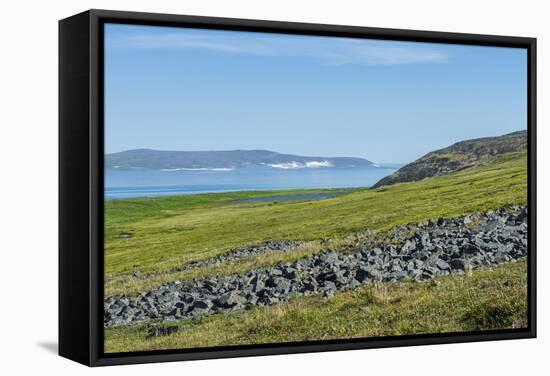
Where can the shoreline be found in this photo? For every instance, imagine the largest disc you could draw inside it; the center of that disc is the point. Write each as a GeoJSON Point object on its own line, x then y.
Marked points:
{"type": "Point", "coordinates": [136, 184]}
{"type": "Point", "coordinates": [256, 192]}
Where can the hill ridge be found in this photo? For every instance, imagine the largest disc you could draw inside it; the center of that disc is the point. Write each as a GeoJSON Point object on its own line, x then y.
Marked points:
{"type": "Point", "coordinates": [458, 156]}
{"type": "Point", "coordinates": [227, 159]}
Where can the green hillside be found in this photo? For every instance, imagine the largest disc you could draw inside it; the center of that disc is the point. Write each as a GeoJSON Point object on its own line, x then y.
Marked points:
{"type": "Point", "coordinates": [460, 156]}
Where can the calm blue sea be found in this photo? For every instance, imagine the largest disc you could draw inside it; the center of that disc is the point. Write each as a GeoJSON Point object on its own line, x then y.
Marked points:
{"type": "Point", "coordinates": [148, 183]}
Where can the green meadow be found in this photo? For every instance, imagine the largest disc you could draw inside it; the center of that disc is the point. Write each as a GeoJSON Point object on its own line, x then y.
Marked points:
{"type": "Point", "coordinates": [169, 232]}
{"type": "Point", "coordinates": [487, 299]}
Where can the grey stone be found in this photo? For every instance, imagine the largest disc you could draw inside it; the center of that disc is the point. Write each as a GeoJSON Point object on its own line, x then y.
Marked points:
{"type": "Point", "coordinates": [500, 257]}
{"type": "Point", "coordinates": [230, 299]}
{"type": "Point", "coordinates": [443, 265]}
{"type": "Point", "coordinates": [282, 285]}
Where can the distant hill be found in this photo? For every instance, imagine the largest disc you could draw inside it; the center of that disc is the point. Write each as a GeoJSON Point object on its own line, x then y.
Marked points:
{"type": "Point", "coordinates": [220, 160]}
{"type": "Point", "coordinates": [459, 156]}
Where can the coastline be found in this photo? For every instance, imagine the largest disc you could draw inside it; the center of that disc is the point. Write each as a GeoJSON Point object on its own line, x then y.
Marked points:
{"type": "Point", "coordinates": [151, 183]}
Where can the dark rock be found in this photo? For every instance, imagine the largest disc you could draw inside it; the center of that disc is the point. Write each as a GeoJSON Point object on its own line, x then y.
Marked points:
{"type": "Point", "coordinates": [364, 273]}
{"type": "Point", "coordinates": [269, 300]}
{"type": "Point", "coordinates": [311, 285]}
{"type": "Point", "coordinates": [457, 264]}
{"type": "Point", "coordinates": [200, 304]}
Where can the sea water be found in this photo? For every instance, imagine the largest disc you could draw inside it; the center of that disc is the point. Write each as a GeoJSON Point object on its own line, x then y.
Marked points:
{"type": "Point", "coordinates": [121, 184]}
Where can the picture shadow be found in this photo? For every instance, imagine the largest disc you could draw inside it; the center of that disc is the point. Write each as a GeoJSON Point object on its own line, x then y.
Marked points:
{"type": "Point", "coordinates": [51, 347]}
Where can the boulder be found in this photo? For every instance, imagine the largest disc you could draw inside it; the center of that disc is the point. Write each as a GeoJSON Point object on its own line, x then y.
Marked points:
{"type": "Point", "coordinates": [457, 264]}
{"type": "Point", "coordinates": [443, 265]}
{"type": "Point", "coordinates": [230, 300]}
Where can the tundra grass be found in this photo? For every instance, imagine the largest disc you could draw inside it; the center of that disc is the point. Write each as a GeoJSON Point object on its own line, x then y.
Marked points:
{"type": "Point", "coordinates": [485, 300]}
{"type": "Point", "coordinates": [168, 232]}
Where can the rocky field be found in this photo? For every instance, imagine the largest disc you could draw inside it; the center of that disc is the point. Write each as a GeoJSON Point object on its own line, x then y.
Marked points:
{"type": "Point", "coordinates": [418, 252]}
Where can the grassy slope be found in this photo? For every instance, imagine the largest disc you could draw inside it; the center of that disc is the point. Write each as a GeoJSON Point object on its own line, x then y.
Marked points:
{"type": "Point", "coordinates": [171, 231]}
{"type": "Point", "coordinates": [185, 228]}
{"type": "Point", "coordinates": [457, 157]}
{"type": "Point", "coordinates": [488, 299]}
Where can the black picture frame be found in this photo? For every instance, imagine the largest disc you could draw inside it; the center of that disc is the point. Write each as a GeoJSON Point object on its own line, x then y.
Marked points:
{"type": "Point", "coordinates": [81, 185]}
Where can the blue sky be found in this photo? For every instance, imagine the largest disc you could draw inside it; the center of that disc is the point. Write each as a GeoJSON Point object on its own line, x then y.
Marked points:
{"type": "Point", "coordinates": [189, 89]}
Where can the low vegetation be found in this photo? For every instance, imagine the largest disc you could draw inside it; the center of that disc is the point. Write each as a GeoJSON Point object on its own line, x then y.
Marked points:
{"type": "Point", "coordinates": [483, 300]}
{"type": "Point", "coordinates": [462, 155]}
{"type": "Point", "coordinates": [155, 235]}
{"type": "Point", "coordinates": [148, 239]}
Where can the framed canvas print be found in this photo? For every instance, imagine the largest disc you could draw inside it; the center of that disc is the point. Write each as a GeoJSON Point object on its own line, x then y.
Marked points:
{"type": "Point", "coordinates": [239, 187]}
